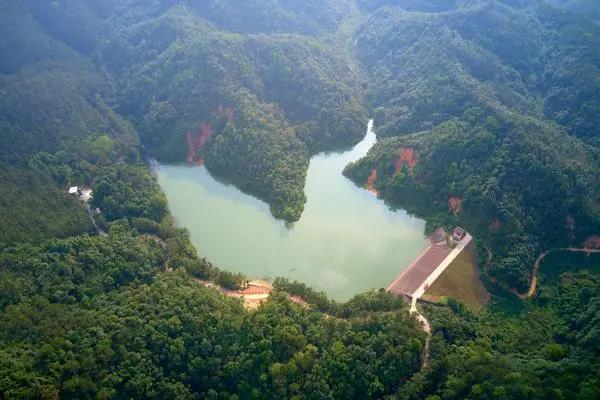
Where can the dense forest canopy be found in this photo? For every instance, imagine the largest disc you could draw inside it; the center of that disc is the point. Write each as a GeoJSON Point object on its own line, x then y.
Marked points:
{"type": "Point", "coordinates": [199, 84]}
{"type": "Point", "coordinates": [496, 103]}
{"type": "Point", "coordinates": [488, 117]}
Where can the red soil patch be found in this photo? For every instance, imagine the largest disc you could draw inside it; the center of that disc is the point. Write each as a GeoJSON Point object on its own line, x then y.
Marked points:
{"type": "Point", "coordinates": [593, 242]}
{"type": "Point", "coordinates": [206, 132]}
{"type": "Point", "coordinates": [370, 185]}
{"type": "Point", "coordinates": [455, 204]}
{"type": "Point", "coordinates": [299, 300]}
{"type": "Point", "coordinates": [495, 225]}
{"type": "Point", "coordinates": [405, 156]}
{"type": "Point", "coordinates": [196, 141]}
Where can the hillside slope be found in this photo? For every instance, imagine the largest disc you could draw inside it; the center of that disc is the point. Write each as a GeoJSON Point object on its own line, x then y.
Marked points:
{"type": "Point", "coordinates": [246, 88]}
{"type": "Point", "coordinates": [487, 117]}
{"type": "Point", "coordinates": [491, 107]}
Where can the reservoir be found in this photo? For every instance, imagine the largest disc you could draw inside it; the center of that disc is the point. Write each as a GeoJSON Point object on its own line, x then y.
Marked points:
{"type": "Point", "coordinates": [347, 241]}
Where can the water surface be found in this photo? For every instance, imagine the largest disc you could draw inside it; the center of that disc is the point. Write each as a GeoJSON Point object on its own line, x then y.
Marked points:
{"type": "Point", "coordinates": [346, 241]}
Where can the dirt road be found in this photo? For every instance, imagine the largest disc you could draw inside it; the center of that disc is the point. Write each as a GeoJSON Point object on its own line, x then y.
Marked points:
{"type": "Point", "coordinates": [426, 327]}
{"type": "Point", "coordinates": [536, 266]}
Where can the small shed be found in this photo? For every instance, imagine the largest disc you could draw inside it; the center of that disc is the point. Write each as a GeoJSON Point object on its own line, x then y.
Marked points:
{"type": "Point", "coordinates": [458, 233]}
{"type": "Point", "coordinates": [73, 190]}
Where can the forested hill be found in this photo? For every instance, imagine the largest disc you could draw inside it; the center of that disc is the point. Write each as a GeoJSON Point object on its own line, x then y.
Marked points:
{"type": "Point", "coordinates": [492, 113]}
{"type": "Point", "coordinates": [243, 86]}
{"type": "Point", "coordinates": [533, 60]}
{"type": "Point", "coordinates": [487, 114]}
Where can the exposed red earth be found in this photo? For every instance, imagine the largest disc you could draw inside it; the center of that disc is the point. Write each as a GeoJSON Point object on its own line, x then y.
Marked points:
{"type": "Point", "coordinates": [370, 185]}
{"type": "Point", "coordinates": [455, 204]}
{"type": "Point", "coordinates": [197, 140]}
{"type": "Point", "coordinates": [404, 156]}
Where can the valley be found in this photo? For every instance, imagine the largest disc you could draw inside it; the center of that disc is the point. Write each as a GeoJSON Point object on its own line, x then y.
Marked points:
{"type": "Point", "coordinates": [345, 242]}
{"type": "Point", "coordinates": [224, 140]}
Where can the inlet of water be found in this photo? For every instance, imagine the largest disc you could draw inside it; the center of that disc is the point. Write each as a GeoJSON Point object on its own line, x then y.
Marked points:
{"type": "Point", "coordinates": [346, 241]}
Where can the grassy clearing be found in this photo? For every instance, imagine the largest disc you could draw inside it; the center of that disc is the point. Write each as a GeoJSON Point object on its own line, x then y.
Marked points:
{"type": "Point", "coordinates": [461, 282]}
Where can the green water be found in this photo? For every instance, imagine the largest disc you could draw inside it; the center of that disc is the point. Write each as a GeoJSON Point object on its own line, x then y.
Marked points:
{"type": "Point", "coordinates": [346, 241]}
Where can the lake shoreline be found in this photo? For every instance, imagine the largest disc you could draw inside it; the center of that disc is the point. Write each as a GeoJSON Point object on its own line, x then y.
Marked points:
{"type": "Point", "coordinates": [347, 241]}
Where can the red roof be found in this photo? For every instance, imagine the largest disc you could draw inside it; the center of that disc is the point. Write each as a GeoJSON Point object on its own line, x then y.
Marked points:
{"type": "Point", "coordinates": [458, 233]}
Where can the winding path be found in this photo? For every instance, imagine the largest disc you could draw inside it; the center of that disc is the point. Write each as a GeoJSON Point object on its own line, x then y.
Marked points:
{"type": "Point", "coordinates": [536, 266]}
{"type": "Point", "coordinates": [426, 326]}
